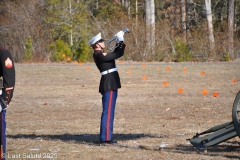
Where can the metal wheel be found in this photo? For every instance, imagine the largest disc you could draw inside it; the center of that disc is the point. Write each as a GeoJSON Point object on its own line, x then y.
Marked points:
{"type": "Point", "coordinates": [236, 114]}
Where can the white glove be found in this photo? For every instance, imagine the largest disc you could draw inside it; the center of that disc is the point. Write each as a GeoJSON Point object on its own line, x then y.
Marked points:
{"type": "Point", "coordinates": [0, 108]}
{"type": "Point", "coordinates": [119, 36]}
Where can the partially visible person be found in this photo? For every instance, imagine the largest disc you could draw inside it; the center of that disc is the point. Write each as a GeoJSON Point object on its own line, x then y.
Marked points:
{"type": "Point", "coordinates": [7, 82]}
{"type": "Point", "coordinates": [109, 83]}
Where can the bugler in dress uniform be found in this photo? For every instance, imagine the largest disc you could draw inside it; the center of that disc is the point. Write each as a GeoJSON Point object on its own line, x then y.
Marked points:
{"type": "Point", "coordinates": [109, 83]}
{"type": "Point", "coordinates": [7, 74]}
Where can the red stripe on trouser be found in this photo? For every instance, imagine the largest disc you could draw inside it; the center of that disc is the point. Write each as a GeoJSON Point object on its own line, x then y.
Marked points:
{"type": "Point", "coordinates": [109, 116]}
{"type": "Point", "coordinates": [1, 135]}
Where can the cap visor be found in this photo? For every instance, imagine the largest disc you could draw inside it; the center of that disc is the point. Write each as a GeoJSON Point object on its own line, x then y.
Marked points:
{"type": "Point", "coordinates": [101, 40]}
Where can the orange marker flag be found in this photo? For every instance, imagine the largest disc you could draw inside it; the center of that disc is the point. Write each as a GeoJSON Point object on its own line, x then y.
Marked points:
{"type": "Point", "coordinates": [202, 73]}
{"type": "Point", "coordinates": [165, 83]}
{"type": "Point", "coordinates": [121, 62]}
{"type": "Point", "coordinates": [76, 62]}
{"type": "Point", "coordinates": [88, 68]}
{"type": "Point", "coordinates": [68, 59]}
{"type": "Point", "coordinates": [204, 92]}
{"type": "Point", "coordinates": [180, 90]}
{"type": "Point", "coordinates": [215, 94]}
{"type": "Point", "coordinates": [63, 55]}
{"type": "Point", "coordinates": [144, 77]}
{"type": "Point", "coordinates": [129, 72]}
{"type": "Point", "coordinates": [233, 80]}
{"type": "Point", "coordinates": [185, 70]}
{"type": "Point", "coordinates": [81, 63]}
{"type": "Point", "coordinates": [168, 68]}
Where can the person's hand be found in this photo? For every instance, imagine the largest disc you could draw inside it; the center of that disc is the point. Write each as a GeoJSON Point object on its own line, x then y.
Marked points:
{"type": "Point", "coordinates": [0, 108]}
{"type": "Point", "coordinates": [119, 36]}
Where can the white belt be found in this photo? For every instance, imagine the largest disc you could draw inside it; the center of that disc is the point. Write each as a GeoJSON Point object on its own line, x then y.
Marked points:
{"type": "Point", "coordinates": [109, 71]}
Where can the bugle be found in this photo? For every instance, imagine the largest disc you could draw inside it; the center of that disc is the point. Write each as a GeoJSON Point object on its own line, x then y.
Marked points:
{"type": "Point", "coordinates": [115, 38]}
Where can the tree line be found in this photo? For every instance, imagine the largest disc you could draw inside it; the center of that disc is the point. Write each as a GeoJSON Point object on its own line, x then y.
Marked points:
{"type": "Point", "coordinates": [167, 30]}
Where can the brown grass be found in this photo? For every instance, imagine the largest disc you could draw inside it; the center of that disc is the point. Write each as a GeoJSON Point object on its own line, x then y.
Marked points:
{"type": "Point", "coordinates": [56, 111]}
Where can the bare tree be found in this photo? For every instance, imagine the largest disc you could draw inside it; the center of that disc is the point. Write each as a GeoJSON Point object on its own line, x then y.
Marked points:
{"type": "Point", "coordinates": [24, 19]}
{"type": "Point", "coordinates": [231, 28]}
{"type": "Point", "coordinates": [210, 29]}
{"type": "Point", "coordinates": [150, 25]}
{"type": "Point", "coordinates": [126, 4]}
{"type": "Point", "coordinates": [183, 18]}
{"type": "Point", "coordinates": [136, 5]}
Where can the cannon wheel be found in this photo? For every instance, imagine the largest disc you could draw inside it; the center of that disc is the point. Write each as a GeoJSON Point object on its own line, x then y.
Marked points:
{"type": "Point", "coordinates": [236, 114]}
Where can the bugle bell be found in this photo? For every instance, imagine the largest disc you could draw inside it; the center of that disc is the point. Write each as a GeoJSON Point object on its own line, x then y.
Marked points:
{"type": "Point", "coordinates": [113, 39]}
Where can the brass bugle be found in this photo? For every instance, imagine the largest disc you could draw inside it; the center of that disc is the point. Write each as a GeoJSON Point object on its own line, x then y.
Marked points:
{"type": "Point", "coordinates": [114, 38]}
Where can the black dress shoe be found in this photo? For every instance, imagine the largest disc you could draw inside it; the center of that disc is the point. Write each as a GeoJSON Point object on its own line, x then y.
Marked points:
{"type": "Point", "coordinates": [109, 142]}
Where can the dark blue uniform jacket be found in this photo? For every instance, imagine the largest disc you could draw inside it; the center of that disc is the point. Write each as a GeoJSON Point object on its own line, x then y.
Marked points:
{"type": "Point", "coordinates": [110, 81]}
{"type": "Point", "coordinates": [7, 71]}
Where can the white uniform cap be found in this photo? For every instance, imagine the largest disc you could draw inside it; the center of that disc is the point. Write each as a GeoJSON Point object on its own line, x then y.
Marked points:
{"type": "Point", "coordinates": [95, 39]}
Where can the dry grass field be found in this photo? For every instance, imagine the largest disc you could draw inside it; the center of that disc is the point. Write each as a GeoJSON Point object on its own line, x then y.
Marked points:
{"type": "Point", "coordinates": [56, 108]}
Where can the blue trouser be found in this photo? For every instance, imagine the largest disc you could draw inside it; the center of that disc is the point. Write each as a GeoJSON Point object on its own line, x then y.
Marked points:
{"type": "Point", "coordinates": [3, 134]}
{"type": "Point", "coordinates": [108, 102]}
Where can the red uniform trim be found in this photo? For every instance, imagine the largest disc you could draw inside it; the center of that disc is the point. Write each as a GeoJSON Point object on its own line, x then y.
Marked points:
{"type": "Point", "coordinates": [1, 135]}
{"type": "Point", "coordinates": [8, 63]}
{"type": "Point", "coordinates": [10, 88]}
{"type": "Point", "coordinates": [109, 116]}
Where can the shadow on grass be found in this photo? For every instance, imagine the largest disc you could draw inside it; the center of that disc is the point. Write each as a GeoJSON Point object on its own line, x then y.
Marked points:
{"type": "Point", "coordinates": [224, 150]}
{"type": "Point", "coordinates": [82, 138]}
